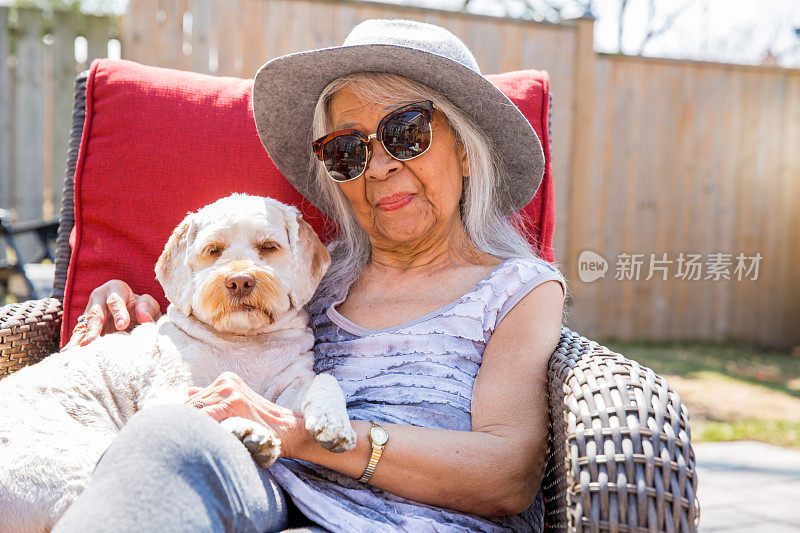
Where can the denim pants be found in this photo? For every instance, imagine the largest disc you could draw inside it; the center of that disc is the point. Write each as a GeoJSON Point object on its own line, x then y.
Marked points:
{"type": "Point", "coordinates": [173, 468]}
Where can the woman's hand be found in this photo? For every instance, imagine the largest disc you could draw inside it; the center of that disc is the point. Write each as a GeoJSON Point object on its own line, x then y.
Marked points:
{"type": "Point", "coordinates": [229, 395]}
{"type": "Point", "coordinates": [112, 307]}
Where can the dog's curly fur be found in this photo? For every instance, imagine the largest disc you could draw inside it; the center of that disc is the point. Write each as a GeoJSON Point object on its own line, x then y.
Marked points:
{"type": "Point", "coordinates": [58, 416]}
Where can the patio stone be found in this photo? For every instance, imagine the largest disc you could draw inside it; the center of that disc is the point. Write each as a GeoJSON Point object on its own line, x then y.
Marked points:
{"type": "Point", "coordinates": [748, 486]}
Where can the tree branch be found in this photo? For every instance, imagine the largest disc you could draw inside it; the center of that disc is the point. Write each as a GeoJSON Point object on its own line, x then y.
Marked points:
{"type": "Point", "coordinates": [554, 8]}
{"type": "Point", "coordinates": [668, 22]}
{"type": "Point", "coordinates": [623, 5]}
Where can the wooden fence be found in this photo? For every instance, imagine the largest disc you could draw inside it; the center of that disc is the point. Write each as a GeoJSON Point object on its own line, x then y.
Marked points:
{"type": "Point", "coordinates": [650, 157]}
{"type": "Point", "coordinates": [37, 72]}
{"type": "Point", "coordinates": [699, 158]}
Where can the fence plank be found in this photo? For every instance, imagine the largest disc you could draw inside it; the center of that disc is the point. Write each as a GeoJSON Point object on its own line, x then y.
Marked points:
{"type": "Point", "coordinates": [787, 309]}
{"type": "Point", "coordinates": [222, 44]}
{"type": "Point", "coordinates": [560, 65]}
{"type": "Point", "coordinates": [773, 96]}
{"type": "Point", "coordinates": [144, 29]}
{"type": "Point", "coordinates": [747, 169]}
{"type": "Point", "coordinates": [201, 35]}
{"type": "Point", "coordinates": [664, 198]}
{"type": "Point", "coordinates": [695, 173]}
{"type": "Point", "coordinates": [64, 72]}
{"type": "Point", "coordinates": [582, 147]}
{"type": "Point", "coordinates": [6, 139]}
{"type": "Point", "coordinates": [97, 33]}
{"type": "Point", "coordinates": [46, 154]}
{"type": "Point", "coordinates": [29, 119]}
{"type": "Point", "coordinates": [731, 153]}
{"type": "Point", "coordinates": [131, 34]}
{"type": "Point", "coordinates": [623, 205]}
{"type": "Point", "coordinates": [29, 124]}
{"type": "Point", "coordinates": [174, 36]}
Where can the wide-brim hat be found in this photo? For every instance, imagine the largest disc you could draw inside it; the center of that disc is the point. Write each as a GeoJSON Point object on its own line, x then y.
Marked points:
{"type": "Point", "coordinates": [287, 88]}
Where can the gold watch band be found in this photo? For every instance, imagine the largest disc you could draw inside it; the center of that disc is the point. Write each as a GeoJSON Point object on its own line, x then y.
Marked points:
{"type": "Point", "coordinates": [377, 450]}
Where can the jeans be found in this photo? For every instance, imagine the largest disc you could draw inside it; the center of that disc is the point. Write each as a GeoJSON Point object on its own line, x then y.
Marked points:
{"type": "Point", "coordinates": [173, 468]}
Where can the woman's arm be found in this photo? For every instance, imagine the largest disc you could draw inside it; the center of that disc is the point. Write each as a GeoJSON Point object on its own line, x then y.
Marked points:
{"type": "Point", "coordinates": [493, 470]}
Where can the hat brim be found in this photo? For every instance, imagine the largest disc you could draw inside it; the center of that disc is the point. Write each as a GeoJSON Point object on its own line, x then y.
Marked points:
{"type": "Point", "coordinates": [286, 90]}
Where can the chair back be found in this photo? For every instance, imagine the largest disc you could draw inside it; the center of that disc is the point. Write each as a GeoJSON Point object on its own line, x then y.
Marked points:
{"type": "Point", "coordinates": [156, 143]}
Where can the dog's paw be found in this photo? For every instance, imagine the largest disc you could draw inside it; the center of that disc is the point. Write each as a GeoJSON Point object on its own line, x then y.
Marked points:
{"type": "Point", "coordinates": [262, 442]}
{"type": "Point", "coordinates": [325, 413]}
{"type": "Point", "coordinates": [331, 432]}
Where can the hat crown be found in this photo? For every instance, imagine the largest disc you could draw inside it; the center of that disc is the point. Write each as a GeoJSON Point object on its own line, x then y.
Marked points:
{"type": "Point", "coordinates": [412, 34]}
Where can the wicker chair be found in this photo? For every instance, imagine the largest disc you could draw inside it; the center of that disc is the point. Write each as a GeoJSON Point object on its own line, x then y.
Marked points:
{"type": "Point", "coordinates": [620, 454]}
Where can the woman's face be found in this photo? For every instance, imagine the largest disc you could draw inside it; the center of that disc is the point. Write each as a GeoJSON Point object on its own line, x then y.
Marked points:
{"type": "Point", "coordinates": [402, 202]}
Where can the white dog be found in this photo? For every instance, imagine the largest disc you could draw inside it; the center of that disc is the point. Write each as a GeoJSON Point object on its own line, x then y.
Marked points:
{"type": "Point", "coordinates": [237, 274]}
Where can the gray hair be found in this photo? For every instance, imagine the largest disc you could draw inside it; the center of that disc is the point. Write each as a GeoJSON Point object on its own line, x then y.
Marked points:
{"type": "Point", "coordinates": [491, 231]}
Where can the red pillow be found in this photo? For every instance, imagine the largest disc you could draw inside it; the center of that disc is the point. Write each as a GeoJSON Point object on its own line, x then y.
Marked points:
{"type": "Point", "coordinates": [158, 143]}
{"type": "Point", "coordinates": [530, 92]}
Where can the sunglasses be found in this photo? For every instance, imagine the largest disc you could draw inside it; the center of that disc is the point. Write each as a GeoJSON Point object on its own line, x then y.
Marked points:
{"type": "Point", "coordinates": [405, 133]}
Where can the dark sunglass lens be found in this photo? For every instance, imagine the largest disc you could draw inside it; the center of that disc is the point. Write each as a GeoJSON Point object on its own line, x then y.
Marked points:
{"type": "Point", "coordinates": [344, 157]}
{"type": "Point", "coordinates": [407, 134]}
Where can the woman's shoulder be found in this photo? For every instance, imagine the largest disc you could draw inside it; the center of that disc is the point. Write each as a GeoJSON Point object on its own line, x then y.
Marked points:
{"type": "Point", "coordinates": [510, 282]}
{"type": "Point", "coordinates": [520, 271]}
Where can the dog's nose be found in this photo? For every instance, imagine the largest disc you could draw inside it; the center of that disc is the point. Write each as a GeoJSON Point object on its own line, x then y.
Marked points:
{"type": "Point", "coordinates": [240, 284]}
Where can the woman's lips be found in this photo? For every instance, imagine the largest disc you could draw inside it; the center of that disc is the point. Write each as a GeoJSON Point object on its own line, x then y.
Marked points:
{"type": "Point", "coordinates": [395, 201]}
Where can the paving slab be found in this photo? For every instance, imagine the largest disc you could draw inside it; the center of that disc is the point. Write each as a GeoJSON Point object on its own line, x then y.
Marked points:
{"type": "Point", "coordinates": [748, 486]}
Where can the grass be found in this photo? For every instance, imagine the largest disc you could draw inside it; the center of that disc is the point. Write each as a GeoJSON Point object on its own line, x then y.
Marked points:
{"type": "Point", "coordinates": [733, 392]}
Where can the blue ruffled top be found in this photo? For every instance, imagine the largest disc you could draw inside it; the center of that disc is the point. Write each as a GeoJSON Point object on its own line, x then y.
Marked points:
{"type": "Point", "coordinates": [418, 373]}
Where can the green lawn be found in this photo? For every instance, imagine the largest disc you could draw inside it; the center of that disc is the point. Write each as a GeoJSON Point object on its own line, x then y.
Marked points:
{"type": "Point", "coordinates": [733, 392]}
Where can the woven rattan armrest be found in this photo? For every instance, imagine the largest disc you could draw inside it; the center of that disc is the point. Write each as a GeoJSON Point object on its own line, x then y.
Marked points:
{"type": "Point", "coordinates": [29, 331]}
{"type": "Point", "coordinates": [620, 452]}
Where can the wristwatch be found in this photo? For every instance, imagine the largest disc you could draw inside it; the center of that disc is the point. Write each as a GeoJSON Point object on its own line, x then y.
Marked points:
{"type": "Point", "coordinates": [378, 436]}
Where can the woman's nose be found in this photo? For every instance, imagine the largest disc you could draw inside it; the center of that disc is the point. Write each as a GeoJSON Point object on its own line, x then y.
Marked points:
{"type": "Point", "coordinates": [380, 164]}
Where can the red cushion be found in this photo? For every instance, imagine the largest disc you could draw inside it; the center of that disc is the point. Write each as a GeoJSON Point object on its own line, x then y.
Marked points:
{"type": "Point", "coordinates": [530, 92]}
{"type": "Point", "coordinates": [158, 143]}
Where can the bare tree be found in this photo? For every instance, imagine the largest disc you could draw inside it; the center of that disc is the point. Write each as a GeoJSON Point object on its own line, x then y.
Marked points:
{"type": "Point", "coordinates": [553, 11]}
{"type": "Point", "coordinates": [662, 16]}
{"type": "Point", "coordinates": [623, 6]}
{"type": "Point", "coordinates": [652, 29]}
{"type": "Point", "coordinates": [550, 10]}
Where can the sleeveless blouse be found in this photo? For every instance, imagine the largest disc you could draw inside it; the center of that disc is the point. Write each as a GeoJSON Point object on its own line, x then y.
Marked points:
{"type": "Point", "coordinates": [418, 373]}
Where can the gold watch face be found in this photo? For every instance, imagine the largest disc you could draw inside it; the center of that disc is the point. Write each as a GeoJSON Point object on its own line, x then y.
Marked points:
{"type": "Point", "coordinates": [378, 435]}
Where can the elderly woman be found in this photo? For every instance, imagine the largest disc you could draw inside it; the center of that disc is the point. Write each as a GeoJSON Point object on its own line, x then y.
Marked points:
{"type": "Point", "coordinates": [436, 316]}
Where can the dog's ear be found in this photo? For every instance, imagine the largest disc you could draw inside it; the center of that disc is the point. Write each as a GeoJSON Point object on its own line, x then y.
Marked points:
{"type": "Point", "coordinates": [310, 256]}
{"type": "Point", "coordinates": [172, 268]}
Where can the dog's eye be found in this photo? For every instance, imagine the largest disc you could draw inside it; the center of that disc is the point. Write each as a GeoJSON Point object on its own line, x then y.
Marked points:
{"type": "Point", "coordinates": [212, 250]}
{"type": "Point", "coordinates": [267, 246]}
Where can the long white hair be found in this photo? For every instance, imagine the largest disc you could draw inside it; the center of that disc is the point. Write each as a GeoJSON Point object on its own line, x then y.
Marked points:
{"type": "Point", "coordinates": [485, 225]}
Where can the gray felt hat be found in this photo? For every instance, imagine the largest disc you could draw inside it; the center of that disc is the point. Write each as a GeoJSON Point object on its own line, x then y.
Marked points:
{"type": "Point", "coordinates": [287, 88]}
